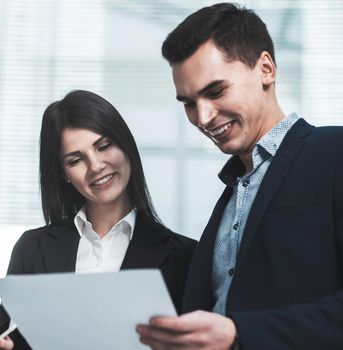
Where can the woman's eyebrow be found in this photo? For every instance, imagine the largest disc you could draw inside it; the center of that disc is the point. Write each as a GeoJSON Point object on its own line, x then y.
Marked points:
{"type": "Point", "coordinates": [70, 154]}
{"type": "Point", "coordinates": [96, 142]}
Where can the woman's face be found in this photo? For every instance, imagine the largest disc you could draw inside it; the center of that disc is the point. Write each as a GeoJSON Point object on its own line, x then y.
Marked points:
{"type": "Point", "coordinates": [96, 167]}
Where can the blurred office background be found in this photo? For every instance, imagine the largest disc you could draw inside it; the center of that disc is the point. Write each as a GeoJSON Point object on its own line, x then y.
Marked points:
{"type": "Point", "coordinates": [112, 47]}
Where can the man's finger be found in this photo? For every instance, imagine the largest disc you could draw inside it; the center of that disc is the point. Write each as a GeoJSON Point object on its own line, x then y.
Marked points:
{"type": "Point", "coordinates": [6, 344]}
{"type": "Point", "coordinates": [184, 323]}
{"type": "Point", "coordinates": [178, 340]}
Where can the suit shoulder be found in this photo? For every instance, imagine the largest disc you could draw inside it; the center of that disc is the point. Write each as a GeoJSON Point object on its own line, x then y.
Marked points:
{"type": "Point", "coordinates": [27, 250]}
{"type": "Point", "coordinates": [328, 133]}
{"type": "Point", "coordinates": [162, 233]}
{"type": "Point", "coordinates": [24, 250]}
{"type": "Point", "coordinates": [324, 140]}
{"type": "Point", "coordinates": [183, 239]}
{"type": "Point", "coordinates": [30, 236]}
{"type": "Point", "coordinates": [177, 239]}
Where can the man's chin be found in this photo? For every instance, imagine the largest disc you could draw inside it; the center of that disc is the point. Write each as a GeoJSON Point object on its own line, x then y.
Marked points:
{"type": "Point", "coordinates": [225, 148]}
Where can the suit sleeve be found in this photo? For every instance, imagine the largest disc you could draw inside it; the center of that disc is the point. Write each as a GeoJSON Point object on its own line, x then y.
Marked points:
{"type": "Point", "coordinates": [20, 251]}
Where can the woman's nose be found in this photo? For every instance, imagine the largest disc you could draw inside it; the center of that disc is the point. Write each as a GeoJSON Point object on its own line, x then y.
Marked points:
{"type": "Point", "coordinates": [96, 164]}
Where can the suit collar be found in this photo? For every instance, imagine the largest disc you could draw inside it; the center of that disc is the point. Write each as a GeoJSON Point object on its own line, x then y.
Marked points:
{"type": "Point", "coordinates": [233, 168]}
{"type": "Point", "coordinates": [277, 171]}
{"type": "Point", "coordinates": [200, 275]}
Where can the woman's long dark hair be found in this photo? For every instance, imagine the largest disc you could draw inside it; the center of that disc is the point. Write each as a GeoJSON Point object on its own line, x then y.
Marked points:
{"type": "Point", "coordinates": [86, 110]}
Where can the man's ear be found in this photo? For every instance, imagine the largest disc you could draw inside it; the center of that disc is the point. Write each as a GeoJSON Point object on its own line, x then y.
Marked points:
{"type": "Point", "coordinates": [267, 68]}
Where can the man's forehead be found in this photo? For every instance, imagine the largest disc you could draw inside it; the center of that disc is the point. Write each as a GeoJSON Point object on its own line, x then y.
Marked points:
{"type": "Point", "coordinates": [192, 79]}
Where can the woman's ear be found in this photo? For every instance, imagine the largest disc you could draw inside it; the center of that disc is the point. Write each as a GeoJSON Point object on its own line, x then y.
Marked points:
{"type": "Point", "coordinates": [65, 178]}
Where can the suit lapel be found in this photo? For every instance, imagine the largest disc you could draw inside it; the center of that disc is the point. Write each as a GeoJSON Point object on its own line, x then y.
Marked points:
{"type": "Point", "coordinates": [59, 248]}
{"type": "Point", "coordinates": [208, 238]}
{"type": "Point", "coordinates": [149, 246]}
{"type": "Point", "coordinates": [277, 171]}
{"type": "Point", "coordinates": [200, 272]}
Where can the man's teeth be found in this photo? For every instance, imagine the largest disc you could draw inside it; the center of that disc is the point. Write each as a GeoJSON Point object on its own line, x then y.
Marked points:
{"type": "Point", "coordinates": [103, 180]}
{"type": "Point", "coordinates": [220, 130]}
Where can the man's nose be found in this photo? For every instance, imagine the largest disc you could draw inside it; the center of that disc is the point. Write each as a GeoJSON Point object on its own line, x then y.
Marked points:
{"type": "Point", "coordinates": [206, 113]}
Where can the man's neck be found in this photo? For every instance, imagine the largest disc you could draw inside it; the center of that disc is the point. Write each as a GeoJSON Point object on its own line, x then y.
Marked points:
{"type": "Point", "coordinates": [276, 116]}
{"type": "Point", "coordinates": [247, 161]}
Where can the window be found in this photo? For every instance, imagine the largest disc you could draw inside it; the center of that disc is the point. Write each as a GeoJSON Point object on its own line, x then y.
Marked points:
{"type": "Point", "coordinates": [112, 47]}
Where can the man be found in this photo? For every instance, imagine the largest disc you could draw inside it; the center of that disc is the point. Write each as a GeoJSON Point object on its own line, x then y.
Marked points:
{"type": "Point", "coordinates": [268, 270]}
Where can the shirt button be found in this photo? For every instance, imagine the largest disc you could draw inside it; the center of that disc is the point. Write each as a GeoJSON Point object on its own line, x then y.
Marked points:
{"type": "Point", "coordinates": [246, 183]}
{"type": "Point", "coordinates": [235, 226]}
{"type": "Point", "coordinates": [231, 271]}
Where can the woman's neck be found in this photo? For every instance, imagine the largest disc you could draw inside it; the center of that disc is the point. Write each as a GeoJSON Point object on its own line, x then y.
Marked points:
{"type": "Point", "coordinates": [104, 216]}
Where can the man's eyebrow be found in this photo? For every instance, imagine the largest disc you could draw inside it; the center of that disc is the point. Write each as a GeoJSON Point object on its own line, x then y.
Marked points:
{"type": "Point", "coordinates": [77, 153]}
{"type": "Point", "coordinates": [182, 98]}
{"type": "Point", "coordinates": [210, 86]}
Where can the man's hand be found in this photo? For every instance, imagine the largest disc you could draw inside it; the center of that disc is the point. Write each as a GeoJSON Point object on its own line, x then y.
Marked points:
{"type": "Point", "coordinates": [6, 344]}
{"type": "Point", "coordinates": [195, 330]}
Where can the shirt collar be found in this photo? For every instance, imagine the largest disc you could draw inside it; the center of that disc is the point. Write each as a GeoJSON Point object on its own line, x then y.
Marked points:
{"type": "Point", "coordinates": [271, 141]}
{"type": "Point", "coordinates": [126, 223]}
{"type": "Point", "coordinates": [265, 147]}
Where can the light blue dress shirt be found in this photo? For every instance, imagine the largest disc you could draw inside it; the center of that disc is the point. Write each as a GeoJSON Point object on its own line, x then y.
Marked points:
{"type": "Point", "coordinates": [245, 187]}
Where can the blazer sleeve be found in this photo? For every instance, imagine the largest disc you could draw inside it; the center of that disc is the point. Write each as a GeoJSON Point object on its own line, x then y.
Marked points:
{"type": "Point", "coordinates": [24, 250]}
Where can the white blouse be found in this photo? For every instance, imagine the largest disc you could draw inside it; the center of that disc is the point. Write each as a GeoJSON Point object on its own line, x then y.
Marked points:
{"type": "Point", "coordinates": [105, 254]}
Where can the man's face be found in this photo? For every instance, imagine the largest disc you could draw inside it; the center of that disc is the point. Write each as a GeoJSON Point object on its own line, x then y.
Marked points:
{"type": "Point", "coordinates": [227, 100]}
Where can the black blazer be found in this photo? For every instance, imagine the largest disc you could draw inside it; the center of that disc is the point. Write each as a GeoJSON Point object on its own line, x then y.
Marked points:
{"type": "Point", "coordinates": [286, 292]}
{"type": "Point", "coordinates": [53, 248]}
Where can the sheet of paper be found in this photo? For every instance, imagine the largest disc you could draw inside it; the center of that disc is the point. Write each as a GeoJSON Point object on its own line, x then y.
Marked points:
{"type": "Point", "coordinates": [87, 311]}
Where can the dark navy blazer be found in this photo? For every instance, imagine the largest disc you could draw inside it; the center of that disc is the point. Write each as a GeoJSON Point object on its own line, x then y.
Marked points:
{"type": "Point", "coordinates": [286, 292]}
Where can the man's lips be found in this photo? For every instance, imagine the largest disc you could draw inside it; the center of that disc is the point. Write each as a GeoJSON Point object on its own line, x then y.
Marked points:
{"type": "Point", "coordinates": [218, 131]}
{"type": "Point", "coordinates": [103, 180]}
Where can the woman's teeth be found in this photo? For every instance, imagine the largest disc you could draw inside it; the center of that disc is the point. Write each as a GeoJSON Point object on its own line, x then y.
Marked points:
{"type": "Point", "coordinates": [103, 180]}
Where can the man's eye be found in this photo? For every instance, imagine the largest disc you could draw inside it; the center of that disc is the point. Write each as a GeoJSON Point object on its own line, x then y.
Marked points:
{"type": "Point", "coordinates": [215, 94]}
{"type": "Point", "coordinates": [188, 104]}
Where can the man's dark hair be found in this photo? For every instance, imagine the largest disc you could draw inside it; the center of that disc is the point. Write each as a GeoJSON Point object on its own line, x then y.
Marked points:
{"type": "Point", "coordinates": [86, 110]}
{"type": "Point", "coordinates": [238, 31]}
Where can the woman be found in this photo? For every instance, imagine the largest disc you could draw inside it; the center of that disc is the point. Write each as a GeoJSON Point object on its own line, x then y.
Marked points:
{"type": "Point", "coordinates": [95, 201]}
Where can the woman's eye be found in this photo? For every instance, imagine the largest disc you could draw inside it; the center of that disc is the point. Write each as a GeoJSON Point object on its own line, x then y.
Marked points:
{"type": "Point", "coordinates": [104, 146]}
{"type": "Point", "coordinates": [74, 162]}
